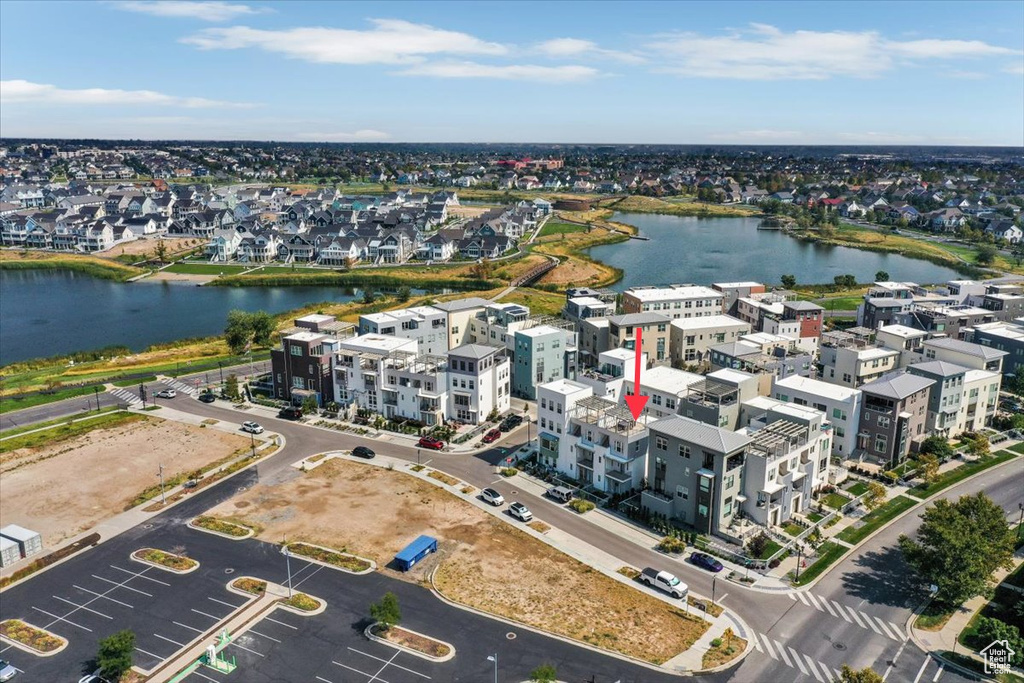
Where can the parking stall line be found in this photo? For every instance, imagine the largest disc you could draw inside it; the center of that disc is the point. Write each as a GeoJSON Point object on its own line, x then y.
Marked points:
{"type": "Point", "coordinates": [243, 647]}
{"type": "Point", "coordinates": [361, 673]}
{"type": "Point", "coordinates": [226, 604]}
{"type": "Point", "coordinates": [208, 616]}
{"type": "Point", "coordinates": [145, 652]}
{"type": "Point", "coordinates": [68, 621]}
{"type": "Point", "coordinates": [321, 678]}
{"type": "Point", "coordinates": [938, 673]}
{"type": "Point", "coordinates": [262, 635]}
{"type": "Point", "coordinates": [140, 575]}
{"type": "Point", "coordinates": [87, 609]}
{"type": "Point", "coordinates": [315, 571]}
{"type": "Point", "coordinates": [381, 659]}
{"type": "Point", "coordinates": [294, 628]}
{"type": "Point", "coordinates": [202, 675]}
{"type": "Point", "coordinates": [384, 667]}
{"type": "Point", "coordinates": [121, 585]}
{"type": "Point", "coordinates": [169, 640]}
{"type": "Point", "coordinates": [101, 595]}
{"type": "Point", "coordinates": [190, 628]}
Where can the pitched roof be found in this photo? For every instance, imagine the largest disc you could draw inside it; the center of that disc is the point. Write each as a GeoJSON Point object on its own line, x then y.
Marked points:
{"type": "Point", "coordinates": [897, 385]}
{"type": "Point", "coordinates": [699, 433]}
{"type": "Point", "coordinates": [977, 350]}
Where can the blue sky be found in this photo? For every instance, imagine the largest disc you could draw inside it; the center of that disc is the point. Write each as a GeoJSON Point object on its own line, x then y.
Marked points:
{"type": "Point", "coordinates": [716, 73]}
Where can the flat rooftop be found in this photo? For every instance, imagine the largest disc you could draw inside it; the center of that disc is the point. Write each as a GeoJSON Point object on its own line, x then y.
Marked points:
{"type": "Point", "coordinates": [380, 343]}
{"type": "Point", "coordinates": [668, 380]}
{"type": "Point", "coordinates": [708, 321]}
{"type": "Point", "coordinates": [816, 387]}
{"type": "Point", "coordinates": [673, 292]}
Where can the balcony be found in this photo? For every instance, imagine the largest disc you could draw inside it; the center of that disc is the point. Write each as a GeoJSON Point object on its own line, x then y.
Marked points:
{"type": "Point", "coordinates": [585, 463]}
{"type": "Point", "coordinates": [619, 476]}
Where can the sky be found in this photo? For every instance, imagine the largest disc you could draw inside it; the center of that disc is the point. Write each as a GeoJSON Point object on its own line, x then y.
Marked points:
{"type": "Point", "coordinates": [833, 72]}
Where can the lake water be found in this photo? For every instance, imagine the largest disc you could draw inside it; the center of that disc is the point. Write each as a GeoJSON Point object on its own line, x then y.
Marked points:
{"type": "Point", "coordinates": [45, 313]}
{"type": "Point", "coordinates": [706, 250]}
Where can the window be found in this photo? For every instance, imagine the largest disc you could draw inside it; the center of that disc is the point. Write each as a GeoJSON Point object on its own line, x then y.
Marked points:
{"type": "Point", "coordinates": [684, 451]}
{"type": "Point", "coordinates": [544, 403]}
{"type": "Point", "coordinates": [881, 442]}
{"type": "Point", "coordinates": [884, 421]}
{"type": "Point", "coordinates": [295, 349]}
{"type": "Point", "coordinates": [727, 506]}
{"type": "Point", "coordinates": [661, 443]}
{"type": "Point", "coordinates": [682, 492]}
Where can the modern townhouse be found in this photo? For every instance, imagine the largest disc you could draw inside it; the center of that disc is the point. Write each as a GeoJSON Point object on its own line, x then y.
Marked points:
{"type": "Point", "coordinates": [852, 361]}
{"type": "Point", "coordinates": [414, 387]}
{"type": "Point", "coordinates": [542, 354]}
{"type": "Point", "coordinates": [1005, 300]}
{"type": "Point", "coordinates": [497, 324]}
{"type": "Point", "coordinates": [479, 383]}
{"type": "Point", "coordinates": [893, 416]}
{"type": "Point", "coordinates": [360, 367]}
{"type": "Point", "coordinates": [655, 332]}
{"type": "Point", "coordinates": [840, 405]}
{"type": "Point", "coordinates": [555, 401]}
{"type": "Point", "coordinates": [691, 339]}
{"type": "Point", "coordinates": [717, 399]}
{"type": "Point", "coordinates": [732, 292]}
{"type": "Point", "coordinates": [602, 445]}
{"type": "Point", "coordinates": [962, 399]}
{"type": "Point", "coordinates": [902, 338]}
{"type": "Point", "coordinates": [674, 301]}
{"type": "Point", "coordinates": [584, 307]}
{"type": "Point", "coordinates": [302, 367]}
{"type": "Point", "coordinates": [427, 325]}
{"type": "Point", "coordinates": [460, 313]}
{"type": "Point", "coordinates": [665, 388]}
{"type": "Point", "coordinates": [1003, 336]}
{"type": "Point", "coordinates": [964, 353]}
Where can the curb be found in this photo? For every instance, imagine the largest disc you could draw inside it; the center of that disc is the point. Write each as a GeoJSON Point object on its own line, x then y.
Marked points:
{"type": "Point", "coordinates": [403, 648]}
{"type": "Point", "coordinates": [191, 569]}
{"type": "Point", "coordinates": [372, 568]}
{"type": "Point", "coordinates": [249, 533]}
{"type": "Point", "coordinates": [301, 612]}
{"type": "Point", "coordinates": [32, 651]}
{"type": "Point", "coordinates": [238, 591]}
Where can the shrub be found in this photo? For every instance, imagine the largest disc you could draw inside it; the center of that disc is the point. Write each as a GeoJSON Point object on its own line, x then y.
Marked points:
{"type": "Point", "coordinates": [303, 602]}
{"type": "Point", "coordinates": [509, 472]}
{"type": "Point", "coordinates": [545, 673]}
{"type": "Point", "coordinates": [716, 642]}
{"type": "Point", "coordinates": [386, 612]}
{"type": "Point", "coordinates": [756, 546]}
{"type": "Point", "coordinates": [672, 544]}
{"type": "Point", "coordinates": [580, 505]}
{"type": "Point", "coordinates": [115, 654]}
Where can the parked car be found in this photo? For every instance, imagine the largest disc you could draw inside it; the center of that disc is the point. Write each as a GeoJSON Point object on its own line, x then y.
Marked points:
{"type": "Point", "coordinates": [493, 497]}
{"type": "Point", "coordinates": [705, 561]}
{"type": "Point", "coordinates": [92, 678]}
{"type": "Point", "coordinates": [431, 443]}
{"type": "Point", "coordinates": [520, 512]}
{"type": "Point", "coordinates": [7, 670]}
{"type": "Point", "coordinates": [290, 413]}
{"type": "Point", "coordinates": [560, 493]}
{"type": "Point", "coordinates": [492, 436]}
{"type": "Point", "coordinates": [363, 452]}
{"type": "Point", "coordinates": [207, 397]}
{"type": "Point", "coordinates": [166, 393]}
{"type": "Point", "coordinates": [665, 582]}
{"type": "Point", "coordinates": [252, 427]}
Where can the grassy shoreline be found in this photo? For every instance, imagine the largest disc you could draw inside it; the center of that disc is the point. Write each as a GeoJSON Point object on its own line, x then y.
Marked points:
{"type": "Point", "coordinates": [89, 265]}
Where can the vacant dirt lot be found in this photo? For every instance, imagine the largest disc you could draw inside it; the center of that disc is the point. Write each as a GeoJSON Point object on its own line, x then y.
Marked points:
{"type": "Point", "coordinates": [148, 245]}
{"type": "Point", "coordinates": [67, 487]}
{"type": "Point", "coordinates": [485, 563]}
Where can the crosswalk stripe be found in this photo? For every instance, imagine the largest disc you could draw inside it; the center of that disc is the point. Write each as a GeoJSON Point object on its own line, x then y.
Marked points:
{"type": "Point", "coordinates": [814, 669]}
{"type": "Point", "coordinates": [782, 653]}
{"type": "Point", "coordinates": [791, 596]}
{"type": "Point", "coordinates": [814, 602]}
{"type": "Point", "coordinates": [831, 611]}
{"type": "Point", "coordinates": [841, 611]}
{"type": "Point", "coordinates": [757, 643]}
{"type": "Point", "coordinates": [898, 631]}
{"type": "Point", "coordinates": [802, 598]}
{"type": "Point", "coordinates": [799, 661]}
{"type": "Point", "coordinates": [853, 613]}
{"type": "Point", "coordinates": [886, 629]}
{"type": "Point", "coordinates": [768, 647]}
{"type": "Point", "coordinates": [871, 624]}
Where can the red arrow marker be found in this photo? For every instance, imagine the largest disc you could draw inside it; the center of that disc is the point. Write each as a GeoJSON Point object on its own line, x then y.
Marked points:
{"type": "Point", "coordinates": [636, 402]}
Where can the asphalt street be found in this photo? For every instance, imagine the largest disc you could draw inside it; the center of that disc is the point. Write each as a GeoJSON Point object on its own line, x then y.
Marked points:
{"type": "Point", "coordinates": [855, 615]}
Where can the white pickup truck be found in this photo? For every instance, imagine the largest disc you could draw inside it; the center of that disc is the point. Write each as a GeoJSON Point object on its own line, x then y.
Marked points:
{"type": "Point", "coordinates": [664, 581]}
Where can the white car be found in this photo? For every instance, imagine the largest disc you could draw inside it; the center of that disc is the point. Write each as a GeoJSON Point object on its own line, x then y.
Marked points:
{"type": "Point", "coordinates": [252, 427]}
{"type": "Point", "coordinates": [493, 497]}
{"type": "Point", "coordinates": [7, 671]}
{"type": "Point", "coordinates": [520, 512]}
{"type": "Point", "coordinates": [92, 678]}
{"type": "Point", "coordinates": [166, 393]}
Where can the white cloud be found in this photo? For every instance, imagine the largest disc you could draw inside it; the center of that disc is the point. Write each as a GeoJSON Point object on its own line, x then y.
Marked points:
{"type": "Point", "coordinates": [512, 72]}
{"type": "Point", "coordinates": [576, 47]}
{"type": "Point", "coordinates": [25, 91]}
{"type": "Point", "coordinates": [206, 11]}
{"type": "Point", "coordinates": [764, 52]}
{"type": "Point", "coordinates": [1016, 69]}
{"type": "Point", "coordinates": [390, 41]}
{"type": "Point", "coordinates": [365, 135]}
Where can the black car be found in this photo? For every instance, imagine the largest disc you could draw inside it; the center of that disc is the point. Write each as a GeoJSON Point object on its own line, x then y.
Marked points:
{"type": "Point", "coordinates": [363, 452]}
{"type": "Point", "coordinates": [207, 397]}
{"type": "Point", "coordinates": [706, 562]}
{"type": "Point", "coordinates": [290, 413]}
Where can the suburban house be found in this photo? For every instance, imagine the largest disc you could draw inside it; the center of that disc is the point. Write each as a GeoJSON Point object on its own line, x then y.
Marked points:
{"type": "Point", "coordinates": [841, 406]}
{"type": "Point", "coordinates": [894, 414]}
{"type": "Point", "coordinates": [479, 383]}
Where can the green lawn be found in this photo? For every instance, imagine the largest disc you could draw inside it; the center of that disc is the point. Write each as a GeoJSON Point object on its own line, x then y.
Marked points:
{"type": "Point", "coordinates": [836, 500]}
{"type": "Point", "coordinates": [67, 431]}
{"type": "Point", "coordinates": [1019, 448]}
{"type": "Point", "coordinates": [10, 404]}
{"type": "Point", "coordinates": [553, 227]}
{"type": "Point", "coordinates": [876, 519]}
{"type": "Point", "coordinates": [49, 423]}
{"type": "Point", "coordinates": [793, 529]}
{"type": "Point", "coordinates": [828, 553]}
{"type": "Point", "coordinates": [840, 303]}
{"type": "Point", "coordinates": [960, 473]}
{"type": "Point", "coordinates": [134, 382]}
{"type": "Point", "coordinates": [857, 488]}
{"type": "Point", "coordinates": [770, 548]}
{"type": "Point", "coordinates": [815, 517]}
{"type": "Point", "coordinates": [205, 269]}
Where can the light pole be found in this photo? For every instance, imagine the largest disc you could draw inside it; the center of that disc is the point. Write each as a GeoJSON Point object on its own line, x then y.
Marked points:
{"type": "Point", "coordinates": [288, 564]}
{"type": "Point", "coordinates": [97, 390]}
{"type": "Point", "coordinates": [799, 552]}
{"type": "Point", "coordinates": [714, 582]}
{"type": "Point", "coordinates": [163, 500]}
{"type": "Point", "coordinates": [1021, 522]}
{"type": "Point", "coordinates": [252, 442]}
{"type": "Point", "coordinates": [494, 658]}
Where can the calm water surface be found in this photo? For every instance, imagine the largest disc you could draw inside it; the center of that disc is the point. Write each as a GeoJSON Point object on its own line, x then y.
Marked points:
{"type": "Point", "coordinates": [706, 250]}
{"type": "Point", "coordinates": [45, 313]}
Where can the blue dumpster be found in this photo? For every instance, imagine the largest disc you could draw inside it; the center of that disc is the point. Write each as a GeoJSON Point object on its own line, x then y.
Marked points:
{"type": "Point", "coordinates": [415, 551]}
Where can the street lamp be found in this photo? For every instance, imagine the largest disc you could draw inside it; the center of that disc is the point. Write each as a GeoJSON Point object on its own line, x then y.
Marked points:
{"type": "Point", "coordinates": [799, 551]}
{"type": "Point", "coordinates": [714, 581]}
{"type": "Point", "coordinates": [494, 658]}
{"type": "Point", "coordinates": [1021, 522]}
{"type": "Point", "coordinates": [288, 564]}
{"type": "Point", "coordinates": [163, 500]}
{"type": "Point", "coordinates": [97, 390]}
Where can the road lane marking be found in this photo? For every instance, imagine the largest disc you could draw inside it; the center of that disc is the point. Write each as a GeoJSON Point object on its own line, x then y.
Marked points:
{"type": "Point", "coordinates": [938, 673]}
{"type": "Point", "coordinates": [397, 666]}
{"type": "Point", "coordinates": [261, 635]}
{"type": "Point", "coordinates": [920, 672]}
{"type": "Point", "coordinates": [798, 660]}
{"type": "Point", "coordinates": [87, 609]}
{"type": "Point", "coordinates": [871, 624]}
{"type": "Point", "coordinates": [896, 629]}
{"type": "Point", "coordinates": [814, 602]}
{"type": "Point", "coordinates": [122, 585]}
{"type": "Point", "coordinates": [768, 647]}
{"type": "Point", "coordinates": [169, 640]}
{"type": "Point", "coordinates": [814, 670]}
{"type": "Point", "coordinates": [853, 613]}
{"type": "Point", "coordinates": [828, 607]}
{"type": "Point", "coordinates": [190, 628]}
{"type": "Point", "coordinates": [886, 630]}
{"type": "Point", "coordinates": [101, 595]}
{"type": "Point", "coordinates": [68, 621]}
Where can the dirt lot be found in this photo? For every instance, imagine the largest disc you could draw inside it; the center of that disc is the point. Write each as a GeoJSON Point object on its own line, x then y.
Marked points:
{"type": "Point", "coordinates": [484, 562]}
{"type": "Point", "coordinates": [147, 245]}
{"type": "Point", "coordinates": [110, 467]}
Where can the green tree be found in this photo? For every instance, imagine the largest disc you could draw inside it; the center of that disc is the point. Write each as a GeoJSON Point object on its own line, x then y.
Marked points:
{"type": "Point", "coordinates": [262, 326]}
{"type": "Point", "coordinates": [959, 545]}
{"type": "Point", "coordinates": [368, 296]}
{"type": "Point", "coordinates": [757, 545]}
{"type": "Point", "coordinates": [986, 255]}
{"type": "Point", "coordinates": [114, 657]}
{"type": "Point", "coordinates": [788, 281]}
{"type": "Point", "coordinates": [978, 445]}
{"type": "Point", "coordinates": [231, 387]}
{"type": "Point", "coordinates": [938, 446]}
{"type": "Point", "coordinates": [238, 333]}
{"type": "Point", "coordinates": [990, 630]}
{"type": "Point", "coordinates": [929, 467]}
{"type": "Point", "coordinates": [881, 276]}
{"type": "Point", "coordinates": [309, 405]}
{"type": "Point", "coordinates": [874, 496]}
{"type": "Point", "coordinates": [386, 612]}
{"type": "Point", "coordinates": [545, 673]}
{"type": "Point", "coordinates": [161, 251]}
{"type": "Point", "coordinates": [404, 292]}
{"type": "Point", "coordinates": [865, 675]}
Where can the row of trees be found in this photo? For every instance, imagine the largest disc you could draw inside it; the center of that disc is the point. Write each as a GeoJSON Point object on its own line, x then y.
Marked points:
{"type": "Point", "coordinates": [245, 330]}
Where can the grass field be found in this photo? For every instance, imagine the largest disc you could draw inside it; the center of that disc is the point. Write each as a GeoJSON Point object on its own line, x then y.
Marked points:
{"type": "Point", "coordinates": [205, 269]}
{"type": "Point", "coordinates": [876, 519]}
{"type": "Point", "coordinates": [91, 265]}
{"type": "Point", "coordinates": [50, 423]}
{"type": "Point", "coordinates": [10, 404]}
{"type": "Point", "coordinates": [63, 432]}
{"type": "Point", "coordinates": [553, 227]}
{"type": "Point", "coordinates": [836, 500]}
{"type": "Point", "coordinates": [678, 206]}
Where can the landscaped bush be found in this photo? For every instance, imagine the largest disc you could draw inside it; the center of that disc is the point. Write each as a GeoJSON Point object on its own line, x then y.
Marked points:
{"type": "Point", "coordinates": [580, 505]}
{"type": "Point", "coordinates": [254, 586]}
{"type": "Point", "coordinates": [220, 526]}
{"type": "Point", "coordinates": [29, 635]}
{"type": "Point", "coordinates": [303, 602]}
{"type": "Point", "coordinates": [509, 472]}
{"type": "Point", "coordinates": [672, 544]}
{"type": "Point", "coordinates": [169, 560]}
{"type": "Point", "coordinates": [337, 559]}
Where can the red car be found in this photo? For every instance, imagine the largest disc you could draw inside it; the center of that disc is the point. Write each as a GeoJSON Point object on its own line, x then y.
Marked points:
{"type": "Point", "coordinates": [492, 436]}
{"type": "Point", "coordinates": [431, 442]}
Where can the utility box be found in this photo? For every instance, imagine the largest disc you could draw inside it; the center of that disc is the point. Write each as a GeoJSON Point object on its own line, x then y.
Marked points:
{"type": "Point", "coordinates": [9, 552]}
{"type": "Point", "coordinates": [29, 542]}
{"type": "Point", "coordinates": [415, 551]}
